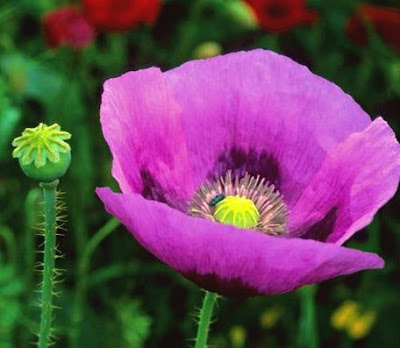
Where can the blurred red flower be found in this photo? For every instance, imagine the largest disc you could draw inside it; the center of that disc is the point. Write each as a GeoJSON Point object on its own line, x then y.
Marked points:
{"type": "Point", "coordinates": [384, 20]}
{"type": "Point", "coordinates": [66, 26]}
{"type": "Point", "coordinates": [281, 15]}
{"type": "Point", "coordinates": [119, 15]}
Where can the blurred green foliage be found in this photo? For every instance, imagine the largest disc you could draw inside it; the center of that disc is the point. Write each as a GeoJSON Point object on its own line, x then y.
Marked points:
{"type": "Point", "coordinates": [128, 298]}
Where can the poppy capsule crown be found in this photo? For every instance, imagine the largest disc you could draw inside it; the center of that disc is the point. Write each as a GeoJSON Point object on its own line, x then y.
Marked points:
{"type": "Point", "coordinates": [42, 152]}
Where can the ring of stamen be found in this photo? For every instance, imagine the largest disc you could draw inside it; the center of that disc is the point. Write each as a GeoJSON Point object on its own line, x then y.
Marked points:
{"type": "Point", "coordinates": [217, 201]}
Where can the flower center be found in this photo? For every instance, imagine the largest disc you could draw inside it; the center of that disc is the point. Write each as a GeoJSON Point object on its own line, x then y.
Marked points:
{"type": "Point", "coordinates": [247, 202]}
{"type": "Point", "coordinates": [237, 211]}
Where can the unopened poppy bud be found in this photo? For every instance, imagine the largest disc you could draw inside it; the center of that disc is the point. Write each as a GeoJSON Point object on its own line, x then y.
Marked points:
{"type": "Point", "coordinates": [242, 14]}
{"type": "Point", "coordinates": [42, 152]}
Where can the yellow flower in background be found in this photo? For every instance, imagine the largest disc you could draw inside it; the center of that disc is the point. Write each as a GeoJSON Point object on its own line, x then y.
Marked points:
{"type": "Point", "coordinates": [345, 314]}
{"type": "Point", "coordinates": [351, 318]}
{"type": "Point", "coordinates": [238, 336]}
{"type": "Point", "coordinates": [207, 49]}
{"type": "Point", "coordinates": [362, 325]}
{"type": "Point", "coordinates": [270, 317]}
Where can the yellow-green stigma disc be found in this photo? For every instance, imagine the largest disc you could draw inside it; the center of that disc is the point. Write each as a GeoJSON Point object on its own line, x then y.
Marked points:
{"type": "Point", "coordinates": [237, 211]}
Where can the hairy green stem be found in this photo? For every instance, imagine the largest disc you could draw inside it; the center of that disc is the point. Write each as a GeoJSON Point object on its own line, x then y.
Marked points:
{"type": "Point", "coordinates": [28, 257]}
{"type": "Point", "coordinates": [49, 194]}
{"type": "Point", "coordinates": [308, 334]}
{"type": "Point", "coordinates": [82, 281]}
{"type": "Point", "coordinates": [31, 218]}
{"type": "Point", "coordinates": [205, 319]}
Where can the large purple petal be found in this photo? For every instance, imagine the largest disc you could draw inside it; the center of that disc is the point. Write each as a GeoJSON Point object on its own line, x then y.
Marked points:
{"type": "Point", "coordinates": [358, 177]}
{"type": "Point", "coordinates": [141, 123]}
{"type": "Point", "coordinates": [261, 112]}
{"type": "Point", "coordinates": [255, 111]}
{"type": "Point", "coordinates": [229, 260]}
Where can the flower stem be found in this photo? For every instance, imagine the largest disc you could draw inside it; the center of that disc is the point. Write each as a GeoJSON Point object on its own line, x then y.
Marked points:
{"type": "Point", "coordinates": [205, 319]}
{"type": "Point", "coordinates": [28, 261]}
{"type": "Point", "coordinates": [31, 218]}
{"type": "Point", "coordinates": [49, 194]}
{"type": "Point", "coordinates": [94, 242]}
{"type": "Point", "coordinates": [83, 271]}
{"type": "Point", "coordinates": [308, 335]}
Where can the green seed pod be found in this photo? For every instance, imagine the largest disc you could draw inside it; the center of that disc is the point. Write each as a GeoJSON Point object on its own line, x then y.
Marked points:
{"type": "Point", "coordinates": [42, 152]}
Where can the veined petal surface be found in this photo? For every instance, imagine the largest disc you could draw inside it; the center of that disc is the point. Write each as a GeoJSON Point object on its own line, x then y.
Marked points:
{"type": "Point", "coordinates": [229, 260]}
{"type": "Point", "coordinates": [356, 178]}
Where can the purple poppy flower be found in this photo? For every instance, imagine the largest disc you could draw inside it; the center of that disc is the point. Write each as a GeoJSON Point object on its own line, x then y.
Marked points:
{"type": "Point", "coordinates": [253, 124]}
